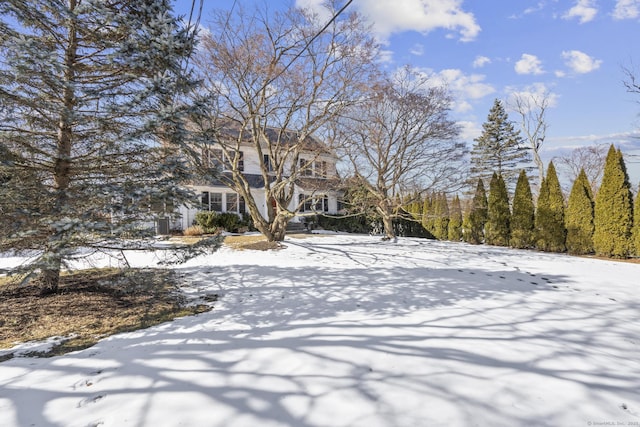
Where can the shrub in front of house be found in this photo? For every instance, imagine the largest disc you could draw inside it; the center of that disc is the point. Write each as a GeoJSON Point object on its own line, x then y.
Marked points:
{"type": "Point", "coordinates": [211, 222]}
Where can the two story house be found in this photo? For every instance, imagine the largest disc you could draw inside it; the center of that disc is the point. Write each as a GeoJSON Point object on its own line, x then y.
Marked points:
{"type": "Point", "coordinates": [315, 177]}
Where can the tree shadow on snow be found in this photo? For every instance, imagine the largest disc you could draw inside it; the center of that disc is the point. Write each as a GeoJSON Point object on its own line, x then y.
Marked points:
{"type": "Point", "coordinates": [365, 345]}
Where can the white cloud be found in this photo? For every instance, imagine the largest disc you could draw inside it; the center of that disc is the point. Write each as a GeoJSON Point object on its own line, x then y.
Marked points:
{"type": "Point", "coordinates": [389, 17]}
{"type": "Point", "coordinates": [481, 61]}
{"type": "Point", "coordinates": [580, 62]}
{"type": "Point", "coordinates": [469, 130]}
{"type": "Point", "coordinates": [464, 87]}
{"type": "Point", "coordinates": [529, 64]}
{"type": "Point", "coordinates": [533, 95]}
{"type": "Point", "coordinates": [385, 56]}
{"type": "Point", "coordinates": [532, 9]}
{"type": "Point", "coordinates": [584, 10]}
{"type": "Point", "coordinates": [626, 9]}
{"type": "Point", "coordinates": [560, 73]}
{"type": "Point", "coordinates": [417, 49]}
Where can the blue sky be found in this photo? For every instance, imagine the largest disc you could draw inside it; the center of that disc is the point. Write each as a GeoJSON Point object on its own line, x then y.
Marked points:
{"type": "Point", "coordinates": [486, 49]}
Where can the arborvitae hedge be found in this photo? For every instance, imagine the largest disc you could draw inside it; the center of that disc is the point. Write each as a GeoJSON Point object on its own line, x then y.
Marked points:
{"type": "Point", "coordinates": [498, 214]}
{"type": "Point", "coordinates": [613, 211]}
{"type": "Point", "coordinates": [455, 220]}
{"type": "Point", "coordinates": [477, 215]}
{"type": "Point", "coordinates": [441, 217]}
{"type": "Point", "coordinates": [428, 219]}
{"type": "Point", "coordinates": [522, 218]}
{"type": "Point", "coordinates": [549, 220]}
{"type": "Point", "coordinates": [636, 224]}
{"type": "Point", "coordinates": [579, 217]}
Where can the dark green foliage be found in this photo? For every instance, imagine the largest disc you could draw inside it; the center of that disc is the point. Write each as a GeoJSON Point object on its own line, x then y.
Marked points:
{"type": "Point", "coordinates": [89, 125]}
{"type": "Point", "coordinates": [228, 221]}
{"type": "Point", "coordinates": [363, 224]}
{"type": "Point", "coordinates": [522, 218]}
{"type": "Point", "coordinates": [549, 220]}
{"type": "Point", "coordinates": [477, 216]}
{"type": "Point", "coordinates": [636, 224]}
{"type": "Point", "coordinates": [497, 228]}
{"type": "Point", "coordinates": [579, 217]}
{"type": "Point", "coordinates": [428, 214]}
{"type": "Point", "coordinates": [441, 217]}
{"type": "Point", "coordinates": [499, 149]}
{"type": "Point", "coordinates": [455, 221]}
{"type": "Point", "coordinates": [613, 210]}
{"type": "Point", "coordinates": [345, 223]}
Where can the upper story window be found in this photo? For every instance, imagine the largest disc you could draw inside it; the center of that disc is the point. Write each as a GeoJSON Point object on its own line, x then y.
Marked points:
{"type": "Point", "coordinates": [268, 162]}
{"type": "Point", "coordinates": [215, 158]}
{"type": "Point", "coordinates": [316, 168]}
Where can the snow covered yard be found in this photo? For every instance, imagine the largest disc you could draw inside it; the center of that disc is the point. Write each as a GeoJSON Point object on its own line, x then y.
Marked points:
{"type": "Point", "coordinates": [353, 331]}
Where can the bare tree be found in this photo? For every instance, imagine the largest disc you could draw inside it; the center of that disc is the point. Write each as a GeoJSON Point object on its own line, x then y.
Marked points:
{"type": "Point", "coordinates": [278, 79]}
{"type": "Point", "coordinates": [400, 142]}
{"type": "Point", "coordinates": [590, 158]}
{"type": "Point", "coordinates": [532, 108]}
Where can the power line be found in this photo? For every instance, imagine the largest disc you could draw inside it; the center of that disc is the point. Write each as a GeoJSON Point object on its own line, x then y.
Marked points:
{"type": "Point", "coordinates": [306, 46]}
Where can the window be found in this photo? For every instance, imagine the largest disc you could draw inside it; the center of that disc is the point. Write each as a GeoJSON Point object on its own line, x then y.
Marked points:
{"type": "Point", "coordinates": [211, 157]}
{"type": "Point", "coordinates": [242, 208]}
{"type": "Point", "coordinates": [313, 204]}
{"type": "Point", "coordinates": [321, 169]}
{"type": "Point", "coordinates": [268, 163]}
{"type": "Point", "coordinates": [241, 161]}
{"type": "Point", "coordinates": [204, 201]}
{"type": "Point", "coordinates": [211, 201]}
{"type": "Point", "coordinates": [215, 200]}
{"type": "Point", "coordinates": [232, 202]}
{"type": "Point", "coordinates": [306, 168]}
{"type": "Point", "coordinates": [306, 203]}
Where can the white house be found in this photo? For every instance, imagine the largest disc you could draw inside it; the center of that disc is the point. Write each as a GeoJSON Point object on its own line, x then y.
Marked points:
{"type": "Point", "coordinates": [315, 189]}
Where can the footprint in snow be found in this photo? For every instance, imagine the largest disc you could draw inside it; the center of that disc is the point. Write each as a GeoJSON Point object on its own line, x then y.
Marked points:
{"type": "Point", "coordinates": [92, 399]}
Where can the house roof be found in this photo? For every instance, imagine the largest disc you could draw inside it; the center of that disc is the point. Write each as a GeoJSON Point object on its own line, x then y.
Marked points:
{"type": "Point", "coordinates": [284, 137]}
{"type": "Point", "coordinates": [223, 178]}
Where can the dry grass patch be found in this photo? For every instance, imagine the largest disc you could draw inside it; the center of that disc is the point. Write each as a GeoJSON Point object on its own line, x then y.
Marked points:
{"type": "Point", "coordinates": [252, 241]}
{"type": "Point", "coordinates": [259, 242]}
{"type": "Point", "coordinates": [90, 304]}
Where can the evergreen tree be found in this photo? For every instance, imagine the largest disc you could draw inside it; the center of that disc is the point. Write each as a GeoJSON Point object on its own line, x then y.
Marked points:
{"type": "Point", "coordinates": [428, 214]}
{"type": "Point", "coordinates": [613, 209]}
{"type": "Point", "coordinates": [549, 220]}
{"type": "Point", "coordinates": [636, 224]}
{"type": "Point", "coordinates": [89, 125]}
{"type": "Point", "coordinates": [477, 215]}
{"type": "Point", "coordinates": [579, 217]}
{"type": "Point", "coordinates": [499, 149]}
{"type": "Point", "coordinates": [498, 214]}
{"type": "Point", "coordinates": [455, 222]}
{"type": "Point", "coordinates": [441, 213]}
{"type": "Point", "coordinates": [522, 218]}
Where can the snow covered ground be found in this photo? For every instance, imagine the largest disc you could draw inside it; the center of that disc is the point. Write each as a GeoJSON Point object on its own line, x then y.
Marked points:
{"type": "Point", "coordinates": [353, 331]}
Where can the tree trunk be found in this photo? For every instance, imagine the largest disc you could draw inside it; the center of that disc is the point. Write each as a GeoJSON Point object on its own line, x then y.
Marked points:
{"type": "Point", "coordinates": [50, 278]}
{"type": "Point", "coordinates": [387, 220]}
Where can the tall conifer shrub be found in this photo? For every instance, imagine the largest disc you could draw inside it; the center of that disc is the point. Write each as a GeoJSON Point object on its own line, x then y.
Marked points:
{"type": "Point", "coordinates": [498, 215]}
{"type": "Point", "coordinates": [549, 220]}
{"type": "Point", "coordinates": [613, 210]}
{"type": "Point", "coordinates": [477, 215]}
{"type": "Point", "coordinates": [579, 217]}
{"type": "Point", "coordinates": [522, 218]}
{"type": "Point", "coordinates": [455, 220]}
{"type": "Point", "coordinates": [636, 224]}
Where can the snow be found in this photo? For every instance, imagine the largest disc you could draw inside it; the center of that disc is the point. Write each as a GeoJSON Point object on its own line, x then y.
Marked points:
{"type": "Point", "coordinates": [346, 330]}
